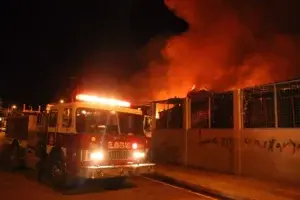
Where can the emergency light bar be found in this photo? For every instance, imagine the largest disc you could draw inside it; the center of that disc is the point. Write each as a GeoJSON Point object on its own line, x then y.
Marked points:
{"type": "Point", "coordinates": [106, 101]}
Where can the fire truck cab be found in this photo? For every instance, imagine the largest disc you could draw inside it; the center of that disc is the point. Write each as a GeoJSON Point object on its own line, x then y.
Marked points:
{"type": "Point", "coordinates": [92, 137]}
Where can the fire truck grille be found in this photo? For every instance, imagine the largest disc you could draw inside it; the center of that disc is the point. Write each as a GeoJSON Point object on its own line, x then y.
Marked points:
{"type": "Point", "coordinates": [119, 155]}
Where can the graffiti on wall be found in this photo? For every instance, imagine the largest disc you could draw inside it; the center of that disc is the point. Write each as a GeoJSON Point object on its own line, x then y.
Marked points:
{"type": "Point", "coordinates": [226, 142]}
{"type": "Point", "coordinates": [271, 145]}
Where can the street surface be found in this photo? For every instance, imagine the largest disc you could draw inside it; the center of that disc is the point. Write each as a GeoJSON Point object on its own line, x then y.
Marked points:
{"type": "Point", "coordinates": [20, 185]}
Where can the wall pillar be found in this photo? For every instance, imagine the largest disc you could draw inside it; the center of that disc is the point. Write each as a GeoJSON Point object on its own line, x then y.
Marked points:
{"type": "Point", "coordinates": [186, 126]}
{"type": "Point", "coordinates": [238, 125]}
{"type": "Point", "coordinates": [153, 128]}
{"type": "Point", "coordinates": [275, 106]}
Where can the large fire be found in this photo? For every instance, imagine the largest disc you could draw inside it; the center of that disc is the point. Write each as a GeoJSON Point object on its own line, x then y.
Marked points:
{"type": "Point", "coordinates": [228, 44]}
{"type": "Point", "coordinates": [222, 49]}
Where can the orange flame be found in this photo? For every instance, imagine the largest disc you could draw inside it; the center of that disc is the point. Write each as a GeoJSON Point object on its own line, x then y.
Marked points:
{"type": "Point", "coordinates": [221, 51]}
{"type": "Point", "coordinates": [227, 45]}
{"type": "Point", "coordinates": [193, 87]}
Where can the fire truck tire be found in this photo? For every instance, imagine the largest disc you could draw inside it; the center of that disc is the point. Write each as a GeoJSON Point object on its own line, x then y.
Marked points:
{"type": "Point", "coordinates": [12, 157]}
{"type": "Point", "coordinates": [41, 168]}
{"type": "Point", "coordinates": [55, 170]}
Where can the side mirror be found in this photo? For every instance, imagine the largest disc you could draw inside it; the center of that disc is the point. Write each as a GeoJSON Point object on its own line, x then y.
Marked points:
{"type": "Point", "coordinates": [147, 125]}
{"type": "Point", "coordinates": [69, 122]}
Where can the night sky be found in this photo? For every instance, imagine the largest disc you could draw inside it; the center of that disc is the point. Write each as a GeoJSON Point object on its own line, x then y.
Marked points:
{"type": "Point", "coordinates": [46, 43]}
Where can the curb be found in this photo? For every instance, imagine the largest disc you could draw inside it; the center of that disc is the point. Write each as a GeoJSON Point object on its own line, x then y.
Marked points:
{"type": "Point", "coordinates": [194, 188]}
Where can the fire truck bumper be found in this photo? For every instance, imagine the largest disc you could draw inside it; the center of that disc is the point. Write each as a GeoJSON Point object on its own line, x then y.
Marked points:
{"type": "Point", "coordinates": [95, 172]}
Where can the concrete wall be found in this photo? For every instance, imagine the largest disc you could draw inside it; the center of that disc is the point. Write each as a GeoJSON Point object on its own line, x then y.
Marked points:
{"type": "Point", "coordinates": [168, 146]}
{"type": "Point", "coordinates": [271, 154]}
{"type": "Point", "coordinates": [210, 149]}
{"type": "Point", "coordinates": [265, 153]}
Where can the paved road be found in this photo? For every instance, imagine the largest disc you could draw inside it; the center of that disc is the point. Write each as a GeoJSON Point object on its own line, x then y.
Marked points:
{"type": "Point", "coordinates": [21, 185]}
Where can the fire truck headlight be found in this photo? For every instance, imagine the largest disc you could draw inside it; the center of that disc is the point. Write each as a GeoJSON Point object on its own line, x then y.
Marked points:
{"type": "Point", "coordinates": [138, 155]}
{"type": "Point", "coordinates": [98, 155]}
{"type": "Point", "coordinates": [134, 145]}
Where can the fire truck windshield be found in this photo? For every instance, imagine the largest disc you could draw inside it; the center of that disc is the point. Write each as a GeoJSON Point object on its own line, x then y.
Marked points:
{"type": "Point", "coordinates": [96, 121]}
{"type": "Point", "coordinates": [131, 123]}
{"type": "Point", "coordinates": [103, 121]}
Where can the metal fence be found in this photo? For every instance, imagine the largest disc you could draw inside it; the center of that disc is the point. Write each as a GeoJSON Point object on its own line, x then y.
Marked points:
{"type": "Point", "coordinates": [212, 110]}
{"type": "Point", "coordinates": [272, 106]}
{"type": "Point", "coordinates": [200, 111]}
{"type": "Point", "coordinates": [259, 107]}
{"type": "Point", "coordinates": [267, 106]}
{"type": "Point", "coordinates": [169, 114]}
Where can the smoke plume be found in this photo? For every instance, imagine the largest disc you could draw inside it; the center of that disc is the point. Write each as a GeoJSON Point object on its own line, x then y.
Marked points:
{"type": "Point", "coordinates": [222, 49]}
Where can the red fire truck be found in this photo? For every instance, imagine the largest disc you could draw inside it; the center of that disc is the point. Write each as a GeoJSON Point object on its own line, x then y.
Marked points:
{"type": "Point", "coordinates": [93, 137]}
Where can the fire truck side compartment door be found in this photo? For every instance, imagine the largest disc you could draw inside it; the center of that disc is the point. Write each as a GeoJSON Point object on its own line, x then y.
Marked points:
{"type": "Point", "coordinates": [52, 127]}
{"type": "Point", "coordinates": [67, 120]}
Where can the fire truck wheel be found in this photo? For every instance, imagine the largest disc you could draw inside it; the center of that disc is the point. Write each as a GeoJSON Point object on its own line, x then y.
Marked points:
{"type": "Point", "coordinates": [56, 170]}
{"type": "Point", "coordinates": [114, 183]}
{"type": "Point", "coordinates": [41, 172]}
{"type": "Point", "coordinates": [13, 160]}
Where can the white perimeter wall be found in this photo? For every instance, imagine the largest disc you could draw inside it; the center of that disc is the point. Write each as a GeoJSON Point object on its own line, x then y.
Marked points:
{"type": "Point", "coordinates": [265, 153]}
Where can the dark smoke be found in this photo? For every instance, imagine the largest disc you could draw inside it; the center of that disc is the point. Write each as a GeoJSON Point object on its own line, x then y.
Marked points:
{"type": "Point", "coordinates": [229, 44]}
